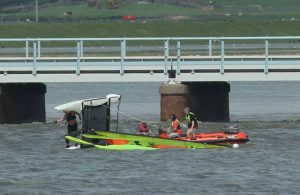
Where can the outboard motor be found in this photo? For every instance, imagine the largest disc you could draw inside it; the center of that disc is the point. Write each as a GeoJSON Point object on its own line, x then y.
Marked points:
{"type": "Point", "coordinates": [231, 129]}
{"type": "Point", "coordinates": [162, 133]}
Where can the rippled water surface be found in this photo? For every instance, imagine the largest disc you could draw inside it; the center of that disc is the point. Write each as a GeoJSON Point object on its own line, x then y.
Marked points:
{"type": "Point", "coordinates": [34, 161]}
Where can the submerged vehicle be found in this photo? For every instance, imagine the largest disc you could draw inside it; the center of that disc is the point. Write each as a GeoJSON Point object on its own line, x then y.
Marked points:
{"type": "Point", "coordinates": [122, 141]}
{"type": "Point", "coordinates": [117, 138]}
{"type": "Point", "coordinates": [96, 117]}
{"type": "Point", "coordinates": [109, 147]}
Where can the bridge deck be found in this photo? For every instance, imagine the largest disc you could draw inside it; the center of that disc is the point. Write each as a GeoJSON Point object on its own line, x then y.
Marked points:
{"type": "Point", "coordinates": [149, 68]}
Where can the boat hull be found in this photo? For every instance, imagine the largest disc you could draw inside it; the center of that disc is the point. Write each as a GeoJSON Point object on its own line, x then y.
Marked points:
{"type": "Point", "coordinates": [155, 142]}
{"type": "Point", "coordinates": [108, 147]}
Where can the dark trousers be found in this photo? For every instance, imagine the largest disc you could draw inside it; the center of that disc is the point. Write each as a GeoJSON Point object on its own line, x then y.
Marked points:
{"type": "Point", "coordinates": [72, 131]}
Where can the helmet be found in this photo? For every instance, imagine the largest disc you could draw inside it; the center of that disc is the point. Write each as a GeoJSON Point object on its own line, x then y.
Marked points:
{"type": "Point", "coordinates": [172, 117]}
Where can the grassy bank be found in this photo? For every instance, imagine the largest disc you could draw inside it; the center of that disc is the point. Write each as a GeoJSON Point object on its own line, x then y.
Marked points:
{"type": "Point", "coordinates": [234, 10]}
{"type": "Point", "coordinates": [151, 29]}
{"type": "Point", "coordinates": [227, 18]}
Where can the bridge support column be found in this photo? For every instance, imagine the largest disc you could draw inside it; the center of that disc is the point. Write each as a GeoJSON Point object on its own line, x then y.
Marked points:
{"type": "Point", "coordinates": [209, 101]}
{"type": "Point", "coordinates": [22, 103]}
{"type": "Point", "coordinates": [174, 98]}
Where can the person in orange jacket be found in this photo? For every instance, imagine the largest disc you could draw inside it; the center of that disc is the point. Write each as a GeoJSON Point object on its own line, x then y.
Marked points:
{"type": "Point", "coordinates": [175, 129]}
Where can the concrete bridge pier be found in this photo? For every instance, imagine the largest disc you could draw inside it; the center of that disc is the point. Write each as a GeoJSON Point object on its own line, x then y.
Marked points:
{"type": "Point", "coordinates": [22, 103]}
{"type": "Point", "coordinates": [209, 101]}
{"type": "Point", "coordinates": [174, 98]}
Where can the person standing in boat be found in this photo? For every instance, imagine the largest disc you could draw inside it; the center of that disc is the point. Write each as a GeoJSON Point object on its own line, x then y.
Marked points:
{"type": "Point", "coordinates": [175, 129]}
{"type": "Point", "coordinates": [70, 118]}
{"type": "Point", "coordinates": [192, 123]}
{"type": "Point", "coordinates": [143, 129]}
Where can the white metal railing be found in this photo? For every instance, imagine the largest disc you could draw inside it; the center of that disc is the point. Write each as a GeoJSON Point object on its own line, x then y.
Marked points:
{"type": "Point", "coordinates": [165, 52]}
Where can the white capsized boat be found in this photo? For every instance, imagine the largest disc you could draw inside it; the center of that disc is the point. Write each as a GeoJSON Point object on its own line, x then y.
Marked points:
{"type": "Point", "coordinates": [79, 104]}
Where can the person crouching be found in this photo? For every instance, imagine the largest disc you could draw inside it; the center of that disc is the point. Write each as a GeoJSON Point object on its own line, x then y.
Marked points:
{"type": "Point", "coordinates": [143, 129]}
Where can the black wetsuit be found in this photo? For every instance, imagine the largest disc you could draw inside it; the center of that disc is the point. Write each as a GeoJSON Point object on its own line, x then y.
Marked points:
{"type": "Point", "coordinates": [74, 127]}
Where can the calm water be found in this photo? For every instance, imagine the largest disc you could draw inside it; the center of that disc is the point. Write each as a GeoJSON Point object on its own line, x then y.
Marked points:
{"type": "Point", "coordinates": [34, 161]}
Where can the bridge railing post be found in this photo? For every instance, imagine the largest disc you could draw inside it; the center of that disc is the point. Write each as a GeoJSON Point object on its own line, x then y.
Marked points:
{"type": "Point", "coordinates": [210, 47]}
{"type": "Point", "coordinates": [178, 58]}
{"type": "Point", "coordinates": [81, 48]}
{"type": "Point", "coordinates": [222, 56]}
{"type": "Point", "coordinates": [78, 58]}
{"type": "Point", "coordinates": [266, 69]}
{"type": "Point", "coordinates": [166, 56]}
{"type": "Point", "coordinates": [123, 55]}
{"type": "Point", "coordinates": [27, 48]}
{"type": "Point", "coordinates": [38, 48]}
{"type": "Point", "coordinates": [34, 58]}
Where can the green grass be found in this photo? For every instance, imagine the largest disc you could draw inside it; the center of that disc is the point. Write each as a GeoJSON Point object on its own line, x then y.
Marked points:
{"type": "Point", "coordinates": [140, 10]}
{"type": "Point", "coordinates": [151, 29]}
{"type": "Point", "coordinates": [238, 10]}
{"type": "Point", "coordinates": [247, 18]}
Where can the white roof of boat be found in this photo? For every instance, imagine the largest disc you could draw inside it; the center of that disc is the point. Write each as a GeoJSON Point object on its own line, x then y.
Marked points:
{"type": "Point", "coordinates": [77, 105]}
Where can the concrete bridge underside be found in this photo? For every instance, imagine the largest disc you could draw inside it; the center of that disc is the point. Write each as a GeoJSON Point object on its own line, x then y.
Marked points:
{"type": "Point", "coordinates": [149, 69]}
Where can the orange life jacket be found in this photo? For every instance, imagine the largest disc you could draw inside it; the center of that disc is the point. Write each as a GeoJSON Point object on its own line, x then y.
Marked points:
{"type": "Point", "coordinates": [176, 125]}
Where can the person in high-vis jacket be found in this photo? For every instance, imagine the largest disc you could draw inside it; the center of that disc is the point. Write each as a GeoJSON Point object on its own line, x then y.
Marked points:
{"type": "Point", "coordinates": [192, 123]}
